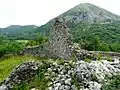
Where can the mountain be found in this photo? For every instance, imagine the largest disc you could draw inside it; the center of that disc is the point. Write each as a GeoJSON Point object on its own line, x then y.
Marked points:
{"type": "Point", "coordinates": [86, 22]}
{"type": "Point", "coordinates": [84, 13]}
{"type": "Point", "coordinates": [92, 27]}
{"type": "Point", "coordinates": [19, 32]}
{"type": "Point", "coordinates": [89, 13]}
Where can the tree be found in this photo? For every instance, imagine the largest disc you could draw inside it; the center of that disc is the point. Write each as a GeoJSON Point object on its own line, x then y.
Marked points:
{"type": "Point", "coordinates": [41, 39]}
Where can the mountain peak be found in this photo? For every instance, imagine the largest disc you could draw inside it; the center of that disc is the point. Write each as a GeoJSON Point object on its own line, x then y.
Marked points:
{"type": "Point", "coordinates": [89, 13]}
{"type": "Point", "coordinates": [85, 4]}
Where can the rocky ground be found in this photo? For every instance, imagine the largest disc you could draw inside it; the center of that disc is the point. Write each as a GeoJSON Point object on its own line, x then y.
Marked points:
{"type": "Point", "coordinates": [66, 75]}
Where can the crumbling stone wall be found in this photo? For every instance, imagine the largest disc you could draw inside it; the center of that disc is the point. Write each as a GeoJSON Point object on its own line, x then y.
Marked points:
{"type": "Point", "coordinates": [60, 40]}
{"type": "Point", "coordinates": [59, 44]}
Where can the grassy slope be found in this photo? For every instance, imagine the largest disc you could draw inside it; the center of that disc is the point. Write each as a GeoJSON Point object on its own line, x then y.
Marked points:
{"type": "Point", "coordinates": [108, 33]}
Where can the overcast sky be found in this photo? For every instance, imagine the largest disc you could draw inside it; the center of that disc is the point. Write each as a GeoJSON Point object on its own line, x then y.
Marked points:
{"type": "Point", "coordinates": [38, 12]}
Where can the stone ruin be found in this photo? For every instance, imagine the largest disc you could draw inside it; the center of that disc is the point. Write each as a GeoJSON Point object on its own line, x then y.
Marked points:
{"type": "Point", "coordinates": [59, 44]}
{"type": "Point", "coordinates": [60, 40]}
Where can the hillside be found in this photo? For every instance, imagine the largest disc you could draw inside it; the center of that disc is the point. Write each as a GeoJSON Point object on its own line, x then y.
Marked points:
{"type": "Point", "coordinates": [19, 32]}
{"type": "Point", "coordinates": [84, 13]}
{"type": "Point", "coordinates": [88, 22]}
{"type": "Point", "coordinates": [75, 17]}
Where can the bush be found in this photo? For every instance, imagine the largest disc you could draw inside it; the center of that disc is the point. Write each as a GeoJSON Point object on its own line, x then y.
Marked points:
{"type": "Point", "coordinates": [112, 84]}
{"type": "Point", "coordinates": [8, 47]}
{"type": "Point", "coordinates": [38, 41]}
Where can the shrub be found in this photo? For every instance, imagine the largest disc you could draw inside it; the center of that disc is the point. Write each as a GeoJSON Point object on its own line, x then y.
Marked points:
{"type": "Point", "coordinates": [99, 57]}
{"type": "Point", "coordinates": [112, 83]}
{"type": "Point", "coordinates": [88, 60]}
{"type": "Point", "coordinates": [9, 47]}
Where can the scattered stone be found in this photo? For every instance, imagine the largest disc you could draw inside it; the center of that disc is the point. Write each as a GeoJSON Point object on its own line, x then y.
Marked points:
{"type": "Point", "coordinates": [94, 86]}
{"type": "Point", "coordinates": [3, 87]}
{"type": "Point", "coordinates": [22, 73]}
{"type": "Point", "coordinates": [33, 89]}
{"type": "Point", "coordinates": [49, 70]}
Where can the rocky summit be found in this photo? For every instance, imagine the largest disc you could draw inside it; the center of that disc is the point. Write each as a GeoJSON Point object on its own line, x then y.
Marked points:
{"type": "Point", "coordinates": [89, 13]}
{"type": "Point", "coordinates": [83, 13]}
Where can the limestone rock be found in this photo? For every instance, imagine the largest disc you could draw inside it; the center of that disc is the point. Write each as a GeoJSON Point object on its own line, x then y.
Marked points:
{"type": "Point", "coordinates": [3, 87]}
{"type": "Point", "coordinates": [95, 71]}
{"type": "Point", "coordinates": [94, 86]}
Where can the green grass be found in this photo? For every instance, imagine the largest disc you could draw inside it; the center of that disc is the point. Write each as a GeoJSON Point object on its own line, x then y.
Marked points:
{"type": "Point", "coordinates": [23, 41]}
{"type": "Point", "coordinates": [7, 64]}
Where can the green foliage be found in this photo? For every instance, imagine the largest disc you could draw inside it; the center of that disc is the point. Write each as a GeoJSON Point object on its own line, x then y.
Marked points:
{"type": "Point", "coordinates": [109, 58]}
{"type": "Point", "coordinates": [112, 83]}
{"type": "Point", "coordinates": [40, 81]}
{"type": "Point", "coordinates": [98, 37]}
{"type": "Point", "coordinates": [99, 57]}
{"type": "Point", "coordinates": [15, 46]}
{"type": "Point", "coordinates": [87, 60]}
{"type": "Point", "coordinates": [32, 43]}
{"type": "Point", "coordinates": [60, 61]}
{"type": "Point", "coordinates": [19, 32]}
{"type": "Point", "coordinates": [75, 82]}
{"type": "Point", "coordinates": [41, 39]}
{"type": "Point", "coordinates": [10, 46]}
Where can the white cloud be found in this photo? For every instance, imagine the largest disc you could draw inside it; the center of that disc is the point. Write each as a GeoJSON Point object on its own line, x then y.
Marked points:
{"type": "Point", "coordinates": [38, 12]}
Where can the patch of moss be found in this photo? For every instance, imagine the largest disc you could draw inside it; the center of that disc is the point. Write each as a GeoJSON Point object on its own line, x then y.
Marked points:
{"type": "Point", "coordinates": [87, 60]}
{"type": "Point", "coordinates": [109, 58]}
{"type": "Point", "coordinates": [99, 57]}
